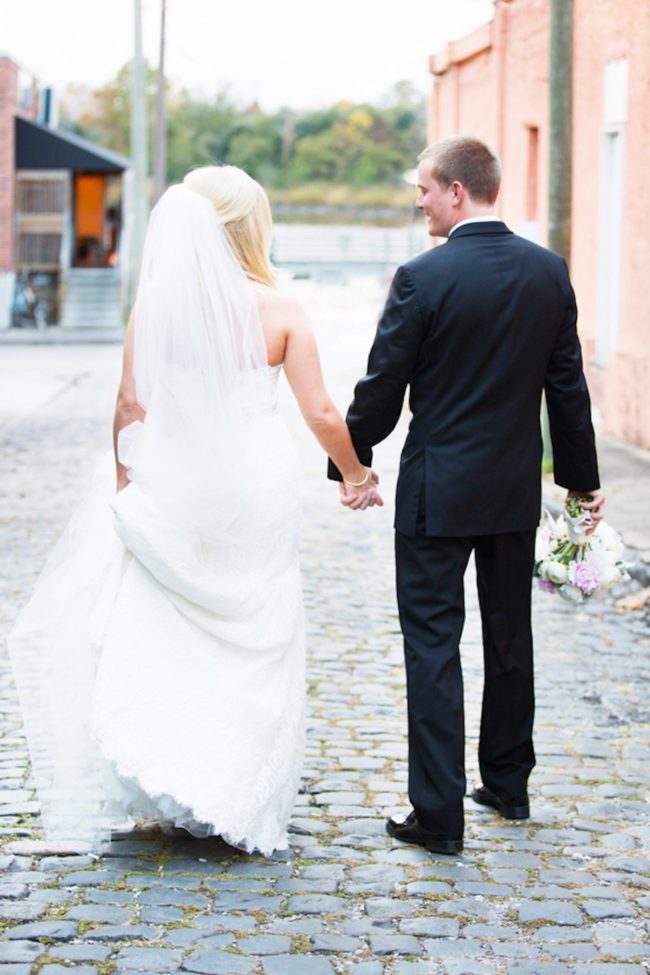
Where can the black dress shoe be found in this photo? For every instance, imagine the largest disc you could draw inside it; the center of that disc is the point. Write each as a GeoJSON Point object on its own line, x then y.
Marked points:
{"type": "Point", "coordinates": [410, 831]}
{"type": "Point", "coordinates": [515, 808]}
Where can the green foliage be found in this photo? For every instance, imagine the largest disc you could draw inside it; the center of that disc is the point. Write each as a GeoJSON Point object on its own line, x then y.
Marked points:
{"type": "Point", "coordinates": [359, 145]}
{"type": "Point", "coordinates": [107, 116]}
{"type": "Point", "coordinates": [256, 145]}
{"type": "Point", "coordinates": [315, 157]}
{"type": "Point", "coordinates": [198, 132]}
{"type": "Point", "coordinates": [312, 123]}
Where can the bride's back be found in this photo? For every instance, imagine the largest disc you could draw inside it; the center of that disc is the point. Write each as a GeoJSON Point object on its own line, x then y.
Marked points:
{"type": "Point", "coordinates": [279, 313]}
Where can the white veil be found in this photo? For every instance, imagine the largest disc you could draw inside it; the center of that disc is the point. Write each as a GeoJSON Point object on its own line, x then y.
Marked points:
{"type": "Point", "coordinates": [199, 352]}
{"type": "Point", "coordinates": [201, 375]}
{"type": "Point", "coordinates": [196, 317]}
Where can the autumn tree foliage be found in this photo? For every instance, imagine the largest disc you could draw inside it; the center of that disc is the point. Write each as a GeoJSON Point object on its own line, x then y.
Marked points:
{"type": "Point", "coordinates": [358, 145]}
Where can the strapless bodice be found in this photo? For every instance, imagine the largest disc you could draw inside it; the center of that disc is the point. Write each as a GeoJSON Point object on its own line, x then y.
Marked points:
{"type": "Point", "coordinates": [260, 388]}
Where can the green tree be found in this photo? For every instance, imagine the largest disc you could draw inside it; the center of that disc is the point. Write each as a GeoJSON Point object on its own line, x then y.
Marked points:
{"type": "Point", "coordinates": [198, 132]}
{"type": "Point", "coordinates": [314, 158]}
{"type": "Point", "coordinates": [256, 145]}
{"type": "Point", "coordinates": [107, 117]}
{"type": "Point", "coordinates": [347, 143]}
{"type": "Point", "coordinates": [313, 123]}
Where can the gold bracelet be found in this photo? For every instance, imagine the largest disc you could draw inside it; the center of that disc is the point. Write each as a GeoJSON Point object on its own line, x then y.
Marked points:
{"type": "Point", "coordinates": [361, 483]}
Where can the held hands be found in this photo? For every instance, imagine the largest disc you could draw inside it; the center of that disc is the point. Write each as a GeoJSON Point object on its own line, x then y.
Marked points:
{"type": "Point", "coordinates": [361, 494]}
{"type": "Point", "coordinates": [595, 507]}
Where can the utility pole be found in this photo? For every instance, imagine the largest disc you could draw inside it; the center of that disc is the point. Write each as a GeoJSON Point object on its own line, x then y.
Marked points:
{"type": "Point", "coordinates": [139, 201]}
{"type": "Point", "coordinates": [160, 137]}
{"type": "Point", "coordinates": [561, 155]}
{"type": "Point", "coordinates": [561, 128]}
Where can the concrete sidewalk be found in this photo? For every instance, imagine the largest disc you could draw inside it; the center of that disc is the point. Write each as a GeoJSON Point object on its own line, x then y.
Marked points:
{"type": "Point", "coordinates": [57, 335]}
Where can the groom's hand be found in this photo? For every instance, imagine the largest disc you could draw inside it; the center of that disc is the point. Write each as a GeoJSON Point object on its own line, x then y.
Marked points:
{"type": "Point", "coordinates": [595, 507]}
{"type": "Point", "coordinates": [358, 499]}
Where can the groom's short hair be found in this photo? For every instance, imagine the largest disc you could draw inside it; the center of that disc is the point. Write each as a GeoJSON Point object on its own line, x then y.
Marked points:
{"type": "Point", "coordinates": [466, 160]}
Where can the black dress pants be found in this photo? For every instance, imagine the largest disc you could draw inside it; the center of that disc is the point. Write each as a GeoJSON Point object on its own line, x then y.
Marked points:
{"type": "Point", "coordinates": [430, 596]}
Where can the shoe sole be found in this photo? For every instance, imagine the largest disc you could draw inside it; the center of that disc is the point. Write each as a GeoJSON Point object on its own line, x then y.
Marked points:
{"type": "Point", "coordinates": [508, 812]}
{"type": "Point", "coordinates": [448, 847]}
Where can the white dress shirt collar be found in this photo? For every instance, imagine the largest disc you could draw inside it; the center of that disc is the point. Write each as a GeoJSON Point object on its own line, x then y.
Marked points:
{"type": "Point", "coordinates": [462, 223]}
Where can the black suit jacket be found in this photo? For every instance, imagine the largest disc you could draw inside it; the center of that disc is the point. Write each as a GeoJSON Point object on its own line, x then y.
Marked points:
{"type": "Point", "coordinates": [477, 327]}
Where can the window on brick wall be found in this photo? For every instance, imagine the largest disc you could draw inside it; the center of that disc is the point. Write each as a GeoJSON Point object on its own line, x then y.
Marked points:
{"type": "Point", "coordinates": [612, 181]}
{"type": "Point", "coordinates": [532, 172]}
{"type": "Point", "coordinates": [529, 227]}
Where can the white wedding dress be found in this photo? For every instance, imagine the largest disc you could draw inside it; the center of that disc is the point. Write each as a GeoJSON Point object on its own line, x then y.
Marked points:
{"type": "Point", "coordinates": [160, 662]}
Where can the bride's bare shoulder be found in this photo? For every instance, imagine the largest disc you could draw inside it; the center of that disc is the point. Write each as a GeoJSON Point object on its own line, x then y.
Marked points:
{"type": "Point", "coordinates": [279, 307]}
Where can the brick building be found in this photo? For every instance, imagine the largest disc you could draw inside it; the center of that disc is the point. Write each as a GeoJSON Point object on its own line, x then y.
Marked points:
{"type": "Point", "coordinates": [494, 83]}
{"type": "Point", "coordinates": [62, 243]}
{"type": "Point", "coordinates": [18, 99]}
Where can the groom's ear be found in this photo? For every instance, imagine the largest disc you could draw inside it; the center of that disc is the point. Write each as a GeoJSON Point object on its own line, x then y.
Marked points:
{"type": "Point", "coordinates": [458, 193]}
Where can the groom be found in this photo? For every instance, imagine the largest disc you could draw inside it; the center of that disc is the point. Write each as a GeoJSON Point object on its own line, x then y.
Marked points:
{"type": "Point", "coordinates": [477, 328]}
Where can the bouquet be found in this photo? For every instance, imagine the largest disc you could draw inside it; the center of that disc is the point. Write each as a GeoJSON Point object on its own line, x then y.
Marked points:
{"type": "Point", "coordinates": [573, 564]}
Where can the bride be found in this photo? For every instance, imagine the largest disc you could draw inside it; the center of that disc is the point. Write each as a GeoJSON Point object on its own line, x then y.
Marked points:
{"type": "Point", "coordinates": [160, 661]}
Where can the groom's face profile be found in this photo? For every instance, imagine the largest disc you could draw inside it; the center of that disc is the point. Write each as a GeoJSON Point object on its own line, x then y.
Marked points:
{"type": "Point", "coordinates": [438, 203]}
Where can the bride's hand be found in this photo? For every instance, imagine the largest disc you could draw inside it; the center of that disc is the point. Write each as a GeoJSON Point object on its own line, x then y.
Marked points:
{"type": "Point", "coordinates": [360, 498]}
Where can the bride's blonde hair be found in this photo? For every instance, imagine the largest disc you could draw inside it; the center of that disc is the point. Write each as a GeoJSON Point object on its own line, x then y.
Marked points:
{"type": "Point", "coordinates": [245, 212]}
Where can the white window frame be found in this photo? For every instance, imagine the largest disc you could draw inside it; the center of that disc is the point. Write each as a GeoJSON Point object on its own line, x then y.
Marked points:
{"type": "Point", "coordinates": [610, 230]}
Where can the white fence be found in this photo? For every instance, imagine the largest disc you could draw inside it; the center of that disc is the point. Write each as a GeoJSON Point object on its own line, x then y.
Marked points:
{"type": "Point", "coordinates": [333, 250]}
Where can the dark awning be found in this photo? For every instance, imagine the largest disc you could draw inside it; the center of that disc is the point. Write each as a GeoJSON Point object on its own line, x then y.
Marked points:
{"type": "Point", "coordinates": [39, 147]}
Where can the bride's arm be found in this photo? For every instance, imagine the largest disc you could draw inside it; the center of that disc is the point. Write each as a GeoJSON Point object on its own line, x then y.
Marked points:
{"type": "Point", "coordinates": [303, 371]}
{"type": "Point", "coordinates": [127, 408]}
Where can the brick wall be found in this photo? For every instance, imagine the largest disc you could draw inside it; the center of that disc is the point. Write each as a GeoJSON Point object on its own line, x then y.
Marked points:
{"type": "Point", "coordinates": [606, 30]}
{"type": "Point", "coordinates": [8, 111]}
{"type": "Point", "coordinates": [495, 84]}
{"type": "Point", "coordinates": [11, 77]}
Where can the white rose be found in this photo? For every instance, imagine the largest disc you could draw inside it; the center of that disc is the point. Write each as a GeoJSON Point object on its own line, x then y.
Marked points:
{"type": "Point", "coordinates": [570, 593]}
{"type": "Point", "coordinates": [609, 539]}
{"type": "Point", "coordinates": [615, 549]}
{"type": "Point", "coordinates": [609, 576]}
{"type": "Point", "coordinates": [556, 572]}
{"type": "Point", "coordinates": [605, 533]}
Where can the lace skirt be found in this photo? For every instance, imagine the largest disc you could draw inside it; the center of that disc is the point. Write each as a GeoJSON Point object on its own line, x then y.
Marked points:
{"type": "Point", "coordinates": [160, 662]}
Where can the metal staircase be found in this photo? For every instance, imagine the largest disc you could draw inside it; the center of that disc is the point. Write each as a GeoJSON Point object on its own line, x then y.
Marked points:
{"type": "Point", "coordinates": [91, 298]}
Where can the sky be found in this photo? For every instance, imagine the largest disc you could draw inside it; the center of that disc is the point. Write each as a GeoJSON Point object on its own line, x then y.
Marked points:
{"type": "Point", "coordinates": [287, 52]}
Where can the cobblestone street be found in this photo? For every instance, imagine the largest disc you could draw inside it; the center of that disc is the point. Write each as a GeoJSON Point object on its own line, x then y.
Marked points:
{"type": "Point", "coordinates": [566, 892]}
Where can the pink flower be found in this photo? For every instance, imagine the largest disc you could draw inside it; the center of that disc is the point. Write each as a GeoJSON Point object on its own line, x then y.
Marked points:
{"type": "Point", "coordinates": [545, 585]}
{"type": "Point", "coordinates": [586, 574]}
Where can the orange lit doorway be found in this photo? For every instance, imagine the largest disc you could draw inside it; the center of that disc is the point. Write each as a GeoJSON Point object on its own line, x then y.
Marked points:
{"type": "Point", "coordinates": [89, 219]}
